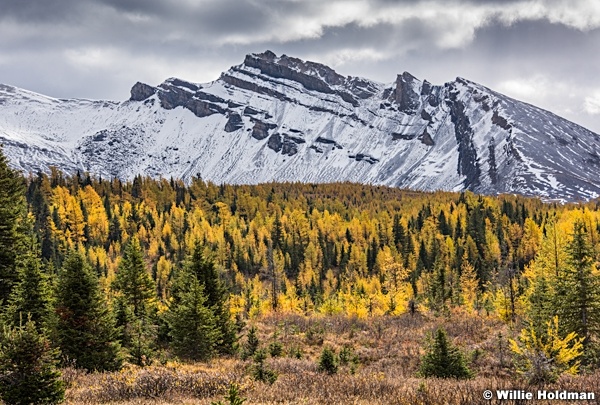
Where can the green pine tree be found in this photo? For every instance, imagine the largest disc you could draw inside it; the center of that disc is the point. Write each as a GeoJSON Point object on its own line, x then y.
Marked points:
{"type": "Point", "coordinates": [443, 360]}
{"type": "Point", "coordinates": [32, 296]}
{"type": "Point", "coordinates": [135, 304]}
{"type": "Point", "coordinates": [85, 330]}
{"type": "Point", "coordinates": [216, 294]}
{"type": "Point", "coordinates": [28, 367]}
{"type": "Point", "coordinates": [541, 304]}
{"type": "Point", "coordinates": [328, 362]}
{"type": "Point", "coordinates": [193, 331]}
{"type": "Point", "coordinates": [233, 396]}
{"type": "Point", "coordinates": [133, 281]}
{"type": "Point", "coordinates": [579, 305]}
{"type": "Point", "coordinates": [13, 214]}
{"type": "Point", "coordinates": [251, 345]}
{"type": "Point", "coordinates": [259, 370]}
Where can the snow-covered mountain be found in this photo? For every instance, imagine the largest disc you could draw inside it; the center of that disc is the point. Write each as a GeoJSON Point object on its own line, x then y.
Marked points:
{"type": "Point", "coordinates": [283, 119]}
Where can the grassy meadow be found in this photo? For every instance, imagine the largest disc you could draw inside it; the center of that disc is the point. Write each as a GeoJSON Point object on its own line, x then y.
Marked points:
{"type": "Point", "coordinates": [387, 349]}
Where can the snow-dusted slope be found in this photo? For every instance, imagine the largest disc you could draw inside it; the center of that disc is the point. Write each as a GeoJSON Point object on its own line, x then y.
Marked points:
{"type": "Point", "coordinates": [284, 119]}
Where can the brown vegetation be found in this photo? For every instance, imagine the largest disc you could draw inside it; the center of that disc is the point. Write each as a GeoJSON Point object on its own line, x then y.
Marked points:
{"type": "Point", "coordinates": [388, 349]}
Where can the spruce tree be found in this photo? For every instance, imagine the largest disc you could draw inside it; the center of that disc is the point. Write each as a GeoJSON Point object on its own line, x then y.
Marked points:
{"type": "Point", "coordinates": [32, 296]}
{"type": "Point", "coordinates": [28, 367]}
{"type": "Point", "coordinates": [86, 330]}
{"type": "Point", "coordinates": [259, 371]}
{"type": "Point", "coordinates": [252, 343]}
{"type": "Point", "coordinates": [579, 306]}
{"type": "Point", "coordinates": [135, 304]}
{"type": "Point", "coordinates": [541, 304]}
{"type": "Point", "coordinates": [216, 298]}
{"type": "Point", "coordinates": [328, 362]}
{"type": "Point", "coordinates": [443, 360]}
{"type": "Point", "coordinates": [13, 213]}
{"type": "Point", "coordinates": [193, 330]}
{"type": "Point", "coordinates": [133, 281]}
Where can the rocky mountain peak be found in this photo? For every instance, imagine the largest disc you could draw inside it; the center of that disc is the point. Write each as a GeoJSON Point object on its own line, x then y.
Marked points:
{"type": "Point", "coordinates": [313, 76]}
{"type": "Point", "coordinates": [141, 91]}
{"type": "Point", "coordinates": [279, 118]}
{"type": "Point", "coordinates": [407, 92]}
{"type": "Point", "coordinates": [288, 63]}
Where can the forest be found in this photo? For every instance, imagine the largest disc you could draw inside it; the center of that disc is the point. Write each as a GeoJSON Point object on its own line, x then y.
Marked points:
{"type": "Point", "coordinates": [210, 292]}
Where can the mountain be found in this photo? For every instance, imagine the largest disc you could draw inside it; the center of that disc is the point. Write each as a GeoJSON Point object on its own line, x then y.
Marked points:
{"type": "Point", "coordinates": [278, 118]}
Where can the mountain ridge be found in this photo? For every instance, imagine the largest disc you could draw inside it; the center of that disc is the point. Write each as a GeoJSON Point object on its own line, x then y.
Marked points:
{"type": "Point", "coordinates": [279, 118]}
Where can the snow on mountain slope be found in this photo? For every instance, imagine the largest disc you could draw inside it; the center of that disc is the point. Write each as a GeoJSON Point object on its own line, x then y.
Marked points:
{"type": "Point", "coordinates": [284, 119]}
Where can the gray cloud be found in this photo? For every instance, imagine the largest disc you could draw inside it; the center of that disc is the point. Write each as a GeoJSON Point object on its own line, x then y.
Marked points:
{"type": "Point", "coordinates": [541, 51]}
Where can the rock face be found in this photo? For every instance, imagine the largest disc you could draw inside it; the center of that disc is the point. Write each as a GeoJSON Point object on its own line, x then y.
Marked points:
{"type": "Point", "coordinates": [279, 118]}
{"type": "Point", "coordinates": [141, 91]}
{"type": "Point", "coordinates": [405, 95]}
{"type": "Point", "coordinates": [468, 164]}
{"type": "Point", "coordinates": [261, 129]}
{"type": "Point", "coordinates": [234, 122]}
{"type": "Point", "coordinates": [313, 76]}
{"type": "Point", "coordinates": [202, 108]}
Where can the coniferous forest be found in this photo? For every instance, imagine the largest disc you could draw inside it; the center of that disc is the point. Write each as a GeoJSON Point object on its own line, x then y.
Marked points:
{"type": "Point", "coordinates": [156, 291]}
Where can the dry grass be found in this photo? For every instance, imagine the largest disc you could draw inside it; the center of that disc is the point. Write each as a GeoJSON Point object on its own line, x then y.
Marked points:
{"type": "Point", "coordinates": [388, 348]}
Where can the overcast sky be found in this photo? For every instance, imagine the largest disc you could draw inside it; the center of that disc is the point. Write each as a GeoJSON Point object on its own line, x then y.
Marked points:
{"type": "Point", "coordinates": [546, 52]}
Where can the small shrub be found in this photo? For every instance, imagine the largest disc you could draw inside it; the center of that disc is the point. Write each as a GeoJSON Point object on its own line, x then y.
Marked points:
{"type": "Point", "coordinates": [346, 355]}
{"type": "Point", "coordinates": [275, 349]}
{"type": "Point", "coordinates": [328, 361]}
{"type": "Point", "coordinates": [295, 352]}
{"type": "Point", "coordinates": [443, 360]}
{"type": "Point", "coordinates": [259, 370]}
{"type": "Point", "coordinates": [315, 335]}
{"type": "Point", "coordinates": [233, 396]}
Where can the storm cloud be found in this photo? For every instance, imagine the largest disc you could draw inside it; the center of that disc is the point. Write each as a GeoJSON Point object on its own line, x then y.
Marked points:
{"type": "Point", "coordinates": [541, 51]}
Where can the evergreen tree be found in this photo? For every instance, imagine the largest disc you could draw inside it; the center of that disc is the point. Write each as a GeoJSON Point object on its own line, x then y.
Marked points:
{"type": "Point", "coordinates": [193, 330]}
{"type": "Point", "coordinates": [114, 229]}
{"type": "Point", "coordinates": [438, 292]}
{"type": "Point", "coordinates": [251, 345]}
{"type": "Point", "coordinates": [12, 220]}
{"type": "Point", "coordinates": [259, 371]}
{"type": "Point", "coordinates": [443, 360]}
{"type": "Point", "coordinates": [541, 302]}
{"type": "Point", "coordinates": [86, 329]}
{"type": "Point", "coordinates": [328, 362]}
{"type": "Point", "coordinates": [216, 298]}
{"type": "Point", "coordinates": [32, 296]}
{"type": "Point", "coordinates": [133, 281]}
{"type": "Point", "coordinates": [135, 304]}
{"type": "Point", "coordinates": [233, 396]}
{"type": "Point", "coordinates": [28, 367]}
{"type": "Point", "coordinates": [580, 303]}
{"type": "Point", "coordinates": [38, 194]}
